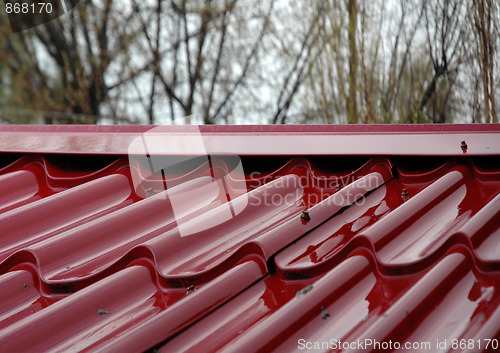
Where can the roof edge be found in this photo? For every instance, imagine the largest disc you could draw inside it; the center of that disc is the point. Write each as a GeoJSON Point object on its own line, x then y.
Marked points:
{"type": "Point", "coordinates": [253, 129]}
{"type": "Point", "coordinates": [258, 140]}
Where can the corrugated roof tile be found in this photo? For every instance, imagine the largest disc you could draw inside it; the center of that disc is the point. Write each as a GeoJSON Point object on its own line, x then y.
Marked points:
{"type": "Point", "coordinates": [95, 255]}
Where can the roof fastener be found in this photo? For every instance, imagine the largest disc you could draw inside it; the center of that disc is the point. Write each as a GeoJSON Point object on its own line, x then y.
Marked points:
{"type": "Point", "coordinates": [304, 290]}
{"type": "Point", "coordinates": [305, 216]}
{"type": "Point", "coordinates": [324, 313]}
{"type": "Point", "coordinates": [150, 192]}
{"type": "Point", "coordinates": [463, 146]}
{"type": "Point", "coordinates": [190, 289]}
{"type": "Point", "coordinates": [405, 193]}
{"type": "Point", "coordinates": [102, 311]}
{"type": "Point", "coordinates": [25, 285]}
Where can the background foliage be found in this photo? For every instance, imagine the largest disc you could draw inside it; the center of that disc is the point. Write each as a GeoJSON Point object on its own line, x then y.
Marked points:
{"type": "Point", "coordinates": [245, 61]}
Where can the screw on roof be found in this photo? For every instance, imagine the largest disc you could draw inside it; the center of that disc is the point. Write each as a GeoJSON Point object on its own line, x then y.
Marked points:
{"type": "Point", "coordinates": [102, 311]}
{"type": "Point", "coordinates": [190, 289]}
{"type": "Point", "coordinates": [324, 313]}
{"type": "Point", "coordinates": [405, 193]}
{"type": "Point", "coordinates": [304, 290]}
{"type": "Point", "coordinates": [305, 216]}
{"type": "Point", "coordinates": [150, 192]}
{"type": "Point", "coordinates": [463, 146]}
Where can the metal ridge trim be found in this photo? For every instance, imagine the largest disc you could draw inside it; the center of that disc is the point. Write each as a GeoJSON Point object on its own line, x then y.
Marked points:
{"type": "Point", "coordinates": [407, 140]}
{"type": "Point", "coordinates": [256, 129]}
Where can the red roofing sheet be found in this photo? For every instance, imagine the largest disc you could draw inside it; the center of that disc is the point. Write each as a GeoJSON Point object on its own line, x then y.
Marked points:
{"type": "Point", "coordinates": [263, 253]}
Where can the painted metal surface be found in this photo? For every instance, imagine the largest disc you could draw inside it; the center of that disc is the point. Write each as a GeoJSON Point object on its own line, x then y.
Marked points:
{"type": "Point", "coordinates": [380, 140]}
{"type": "Point", "coordinates": [327, 253]}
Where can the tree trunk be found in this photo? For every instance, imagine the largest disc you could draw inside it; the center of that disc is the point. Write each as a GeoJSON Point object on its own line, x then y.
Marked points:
{"type": "Point", "coordinates": [352, 114]}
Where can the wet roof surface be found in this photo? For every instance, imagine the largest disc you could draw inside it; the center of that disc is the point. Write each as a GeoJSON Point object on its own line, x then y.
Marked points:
{"type": "Point", "coordinates": [396, 248]}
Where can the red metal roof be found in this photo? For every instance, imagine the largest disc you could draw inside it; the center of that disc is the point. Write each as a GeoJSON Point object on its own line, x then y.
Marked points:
{"type": "Point", "coordinates": [348, 244]}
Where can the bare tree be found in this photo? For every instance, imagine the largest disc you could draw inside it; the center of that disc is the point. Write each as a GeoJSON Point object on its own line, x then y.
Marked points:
{"type": "Point", "coordinates": [445, 38]}
{"type": "Point", "coordinates": [202, 53]}
{"type": "Point", "coordinates": [484, 18]}
{"type": "Point", "coordinates": [295, 76]}
{"type": "Point", "coordinates": [277, 61]}
{"type": "Point", "coordinates": [352, 10]}
{"type": "Point", "coordinates": [179, 57]}
{"type": "Point", "coordinates": [63, 65]}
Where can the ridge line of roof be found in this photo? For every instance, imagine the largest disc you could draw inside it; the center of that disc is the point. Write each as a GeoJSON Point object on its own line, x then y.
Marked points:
{"type": "Point", "coordinates": [252, 129]}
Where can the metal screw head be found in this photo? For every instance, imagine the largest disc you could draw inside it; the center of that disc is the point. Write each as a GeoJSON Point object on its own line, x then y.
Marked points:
{"type": "Point", "coordinates": [304, 290]}
{"type": "Point", "coordinates": [463, 146]}
{"type": "Point", "coordinates": [190, 289]}
{"type": "Point", "coordinates": [305, 216]}
{"type": "Point", "coordinates": [324, 313]}
{"type": "Point", "coordinates": [102, 312]}
{"type": "Point", "coordinates": [150, 192]}
{"type": "Point", "coordinates": [405, 193]}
